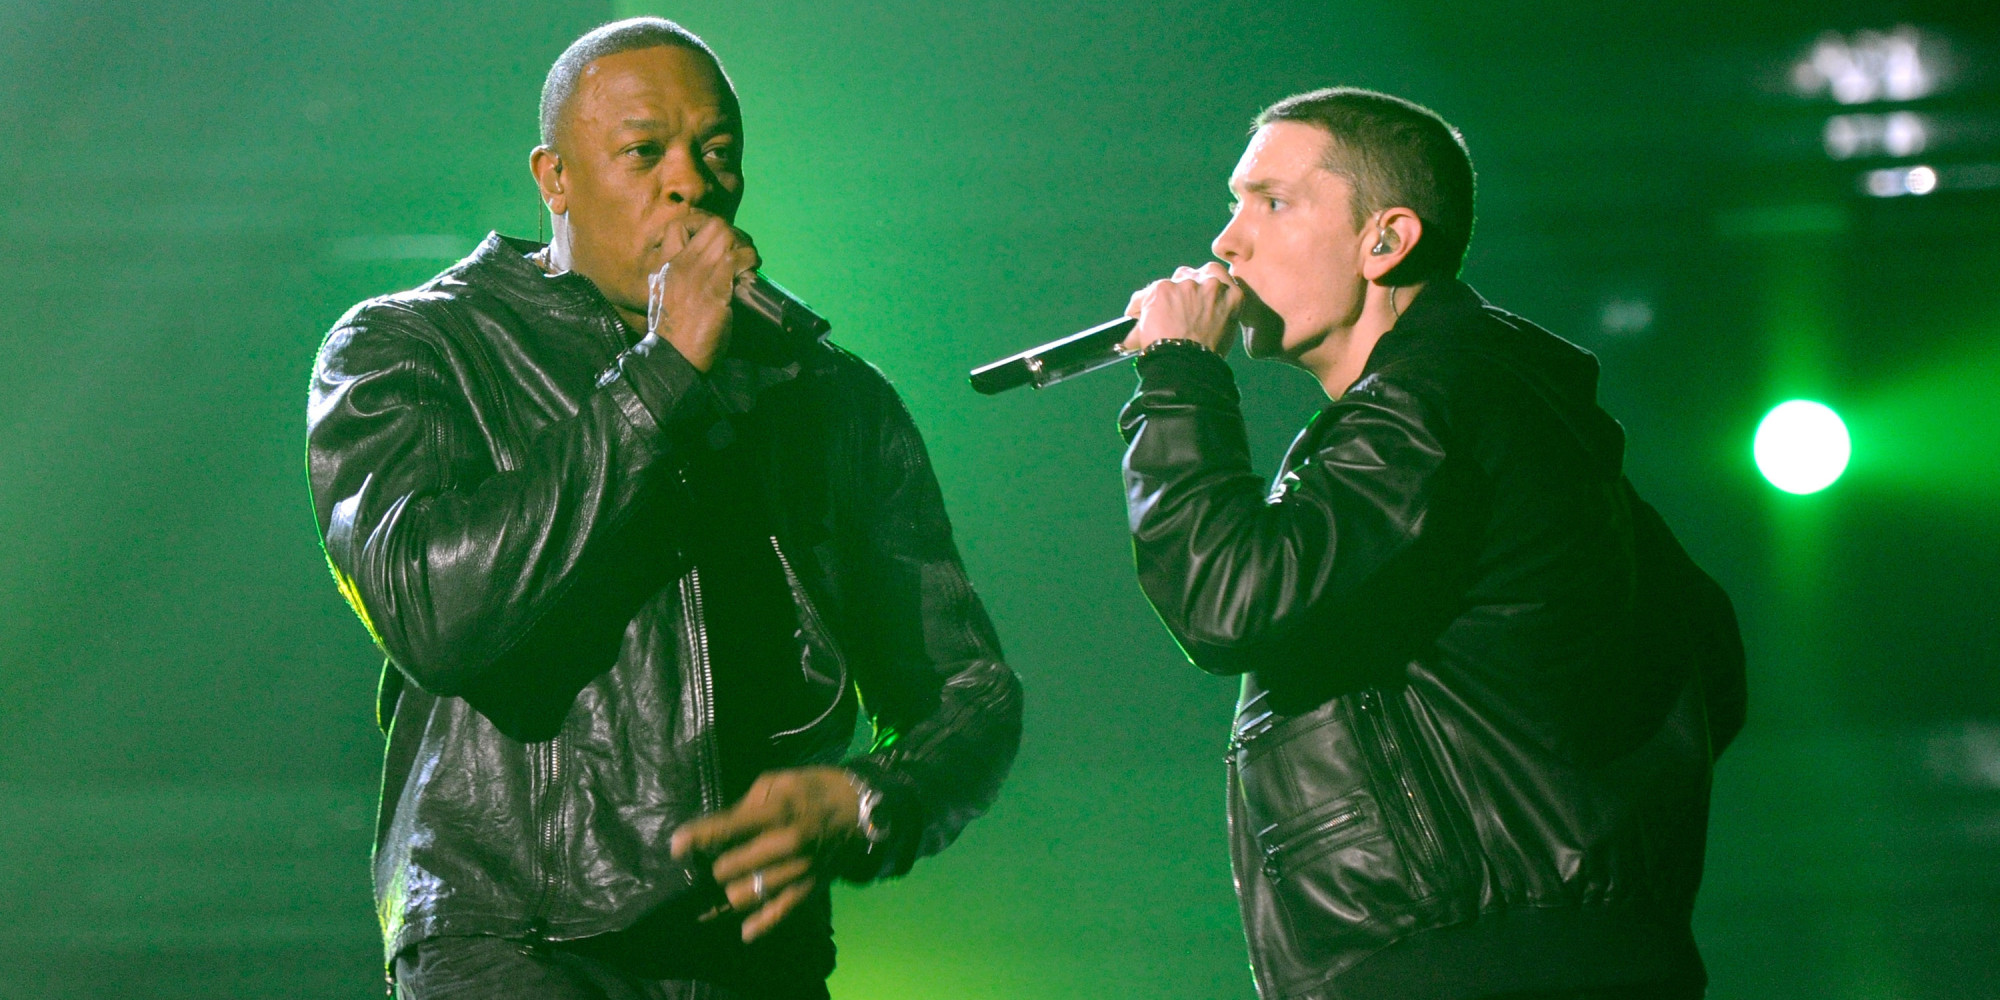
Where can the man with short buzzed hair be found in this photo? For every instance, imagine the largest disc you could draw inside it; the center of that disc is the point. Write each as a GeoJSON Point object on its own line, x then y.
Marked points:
{"type": "Point", "coordinates": [637, 560]}
{"type": "Point", "coordinates": [1483, 686]}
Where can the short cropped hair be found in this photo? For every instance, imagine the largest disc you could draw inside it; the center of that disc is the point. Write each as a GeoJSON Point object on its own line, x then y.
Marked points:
{"type": "Point", "coordinates": [611, 39]}
{"type": "Point", "coordinates": [1395, 154]}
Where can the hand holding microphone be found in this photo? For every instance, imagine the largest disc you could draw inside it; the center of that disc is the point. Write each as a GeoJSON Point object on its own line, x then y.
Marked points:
{"type": "Point", "coordinates": [687, 299]}
{"type": "Point", "coordinates": [1198, 304]}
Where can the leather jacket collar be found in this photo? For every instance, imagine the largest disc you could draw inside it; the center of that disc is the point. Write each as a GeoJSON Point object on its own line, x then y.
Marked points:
{"type": "Point", "coordinates": [505, 266]}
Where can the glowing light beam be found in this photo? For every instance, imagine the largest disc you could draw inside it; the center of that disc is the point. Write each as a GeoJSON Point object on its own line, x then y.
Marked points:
{"type": "Point", "coordinates": [1802, 447]}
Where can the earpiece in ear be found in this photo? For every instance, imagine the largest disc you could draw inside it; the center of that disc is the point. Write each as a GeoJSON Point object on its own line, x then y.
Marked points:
{"type": "Point", "coordinates": [1386, 244]}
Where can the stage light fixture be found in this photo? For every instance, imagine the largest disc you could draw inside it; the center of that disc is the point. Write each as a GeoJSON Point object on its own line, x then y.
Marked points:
{"type": "Point", "coordinates": [1895, 182]}
{"type": "Point", "coordinates": [1802, 447]}
{"type": "Point", "coordinates": [1871, 66]}
{"type": "Point", "coordinates": [1900, 133]}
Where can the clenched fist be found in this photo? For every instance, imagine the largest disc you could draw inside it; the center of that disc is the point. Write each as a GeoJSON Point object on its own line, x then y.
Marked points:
{"type": "Point", "coordinates": [1198, 304]}
{"type": "Point", "coordinates": [687, 301]}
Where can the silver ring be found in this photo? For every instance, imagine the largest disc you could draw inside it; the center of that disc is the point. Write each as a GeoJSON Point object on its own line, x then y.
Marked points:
{"type": "Point", "coordinates": [757, 884]}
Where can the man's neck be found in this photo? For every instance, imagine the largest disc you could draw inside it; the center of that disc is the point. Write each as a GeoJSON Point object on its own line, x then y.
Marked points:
{"type": "Point", "coordinates": [555, 259]}
{"type": "Point", "coordinates": [1337, 360]}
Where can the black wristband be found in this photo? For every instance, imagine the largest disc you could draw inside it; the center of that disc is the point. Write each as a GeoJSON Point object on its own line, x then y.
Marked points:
{"type": "Point", "coordinates": [1175, 343]}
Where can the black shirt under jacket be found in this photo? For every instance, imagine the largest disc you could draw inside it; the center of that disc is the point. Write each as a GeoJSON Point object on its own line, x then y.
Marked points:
{"type": "Point", "coordinates": [536, 514]}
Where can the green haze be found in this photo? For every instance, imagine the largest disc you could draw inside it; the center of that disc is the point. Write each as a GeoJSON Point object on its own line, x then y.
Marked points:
{"type": "Point", "coordinates": [197, 192]}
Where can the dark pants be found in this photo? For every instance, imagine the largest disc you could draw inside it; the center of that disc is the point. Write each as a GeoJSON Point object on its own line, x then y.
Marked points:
{"type": "Point", "coordinates": [491, 968]}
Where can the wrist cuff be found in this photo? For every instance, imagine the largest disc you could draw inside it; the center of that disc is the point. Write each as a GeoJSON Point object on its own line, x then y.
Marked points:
{"type": "Point", "coordinates": [1175, 344]}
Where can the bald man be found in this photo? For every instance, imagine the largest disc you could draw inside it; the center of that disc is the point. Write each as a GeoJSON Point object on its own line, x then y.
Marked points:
{"type": "Point", "coordinates": [636, 562]}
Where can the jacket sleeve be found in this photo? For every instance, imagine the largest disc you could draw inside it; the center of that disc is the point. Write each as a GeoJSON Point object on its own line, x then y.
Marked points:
{"type": "Point", "coordinates": [452, 555]}
{"type": "Point", "coordinates": [946, 710]}
{"type": "Point", "coordinates": [1232, 570]}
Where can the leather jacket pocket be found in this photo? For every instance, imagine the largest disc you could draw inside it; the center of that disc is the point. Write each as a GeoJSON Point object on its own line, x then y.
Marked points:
{"type": "Point", "coordinates": [1325, 873]}
{"type": "Point", "coordinates": [1301, 840]}
{"type": "Point", "coordinates": [1423, 816]}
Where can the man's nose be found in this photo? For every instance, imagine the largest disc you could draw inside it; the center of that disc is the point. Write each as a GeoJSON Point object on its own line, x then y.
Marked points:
{"type": "Point", "coordinates": [1229, 244]}
{"type": "Point", "coordinates": [683, 181]}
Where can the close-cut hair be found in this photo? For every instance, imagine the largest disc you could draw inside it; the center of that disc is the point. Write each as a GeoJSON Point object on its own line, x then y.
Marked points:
{"type": "Point", "coordinates": [611, 39]}
{"type": "Point", "coordinates": [1395, 154]}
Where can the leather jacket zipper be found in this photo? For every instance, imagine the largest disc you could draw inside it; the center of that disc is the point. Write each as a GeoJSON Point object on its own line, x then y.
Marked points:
{"type": "Point", "coordinates": [819, 624]}
{"type": "Point", "coordinates": [1247, 733]}
{"type": "Point", "coordinates": [711, 767]}
{"type": "Point", "coordinates": [1274, 855]}
{"type": "Point", "coordinates": [1392, 750]}
{"type": "Point", "coordinates": [551, 816]}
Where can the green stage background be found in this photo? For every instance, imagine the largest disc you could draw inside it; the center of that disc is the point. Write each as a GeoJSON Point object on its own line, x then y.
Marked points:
{"type": "Point", "coordinates": [194, 192]}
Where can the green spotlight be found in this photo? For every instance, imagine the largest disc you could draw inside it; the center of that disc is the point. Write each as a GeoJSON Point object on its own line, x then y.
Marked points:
{"type": "Point", "coordinates": [1802, 446]}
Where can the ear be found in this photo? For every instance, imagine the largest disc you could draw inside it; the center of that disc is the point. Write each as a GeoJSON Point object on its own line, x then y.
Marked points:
{"type": "Point", "coordinates": [1395, 232]}
{"type": "Point", "coordinates": [546, 164]}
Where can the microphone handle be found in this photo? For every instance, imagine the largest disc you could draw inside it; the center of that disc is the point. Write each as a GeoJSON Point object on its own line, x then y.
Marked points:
{"type": "Point", "coordinates": [782, 309]}
{"type": "Point", "coordinates": [1057, 360]}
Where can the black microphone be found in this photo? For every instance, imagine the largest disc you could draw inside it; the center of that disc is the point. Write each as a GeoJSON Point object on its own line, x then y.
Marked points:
{"type": "Point", "coordinates": [781, 309]}
{"type": "Point", "coordinates": [797, 325]}
{"type": "Point", "coordinates": [1058, 359]}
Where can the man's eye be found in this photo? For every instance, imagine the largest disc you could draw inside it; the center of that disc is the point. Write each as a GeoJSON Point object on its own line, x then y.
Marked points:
{"type": "Point", "coordinates": [1273, 204]}
{"type": "Point", "coordinates": [723, 155]}
{"type": "Point", "coordinates": [644, 150]}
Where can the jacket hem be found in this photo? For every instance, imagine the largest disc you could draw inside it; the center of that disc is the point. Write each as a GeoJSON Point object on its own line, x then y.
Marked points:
{"type": "Point", "coordinates": [514, 928]}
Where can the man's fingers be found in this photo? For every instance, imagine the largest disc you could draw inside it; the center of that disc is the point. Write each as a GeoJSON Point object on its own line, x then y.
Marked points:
{"type": "Point", "coordinates": [718, 249]}
{"type": "Point", "coordinates": [721, 829]}
{"type": "Point", "coordinates": [718, 235]}
{"type": "Point", "coordinates": [705, 224]}
{"type": "Point", "coordinates": [696, 235]}
{"type": "Point", "coordinates": [684, 231]}
{"type": "Point", "coordinates": [744, 260]}
{"type": "Point", "coordinates": [761, 886]}
{"type": "Point", "coordinates": [767, 804]}
{"type": "Point", "coordinates": [714, 830]}
{"type": "Point", "coordinates": [674, 240]}
{"type": "Point", "coordinates": [698, 834]}
{"type": "Point", "coordinates": [765, 849]}
{"type": "Point", "coordinates": [709, 241]}
{"type": "Point", "coordinates": [780, 906]}
{"type": "Point", "coordinates": [773, 879]}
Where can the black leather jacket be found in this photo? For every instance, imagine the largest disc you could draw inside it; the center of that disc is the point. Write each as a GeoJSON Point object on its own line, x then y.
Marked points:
{"type": "Point", "coordinates": [1483, 685]}
{"type": "Point", "coordinates": [496, 465]}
